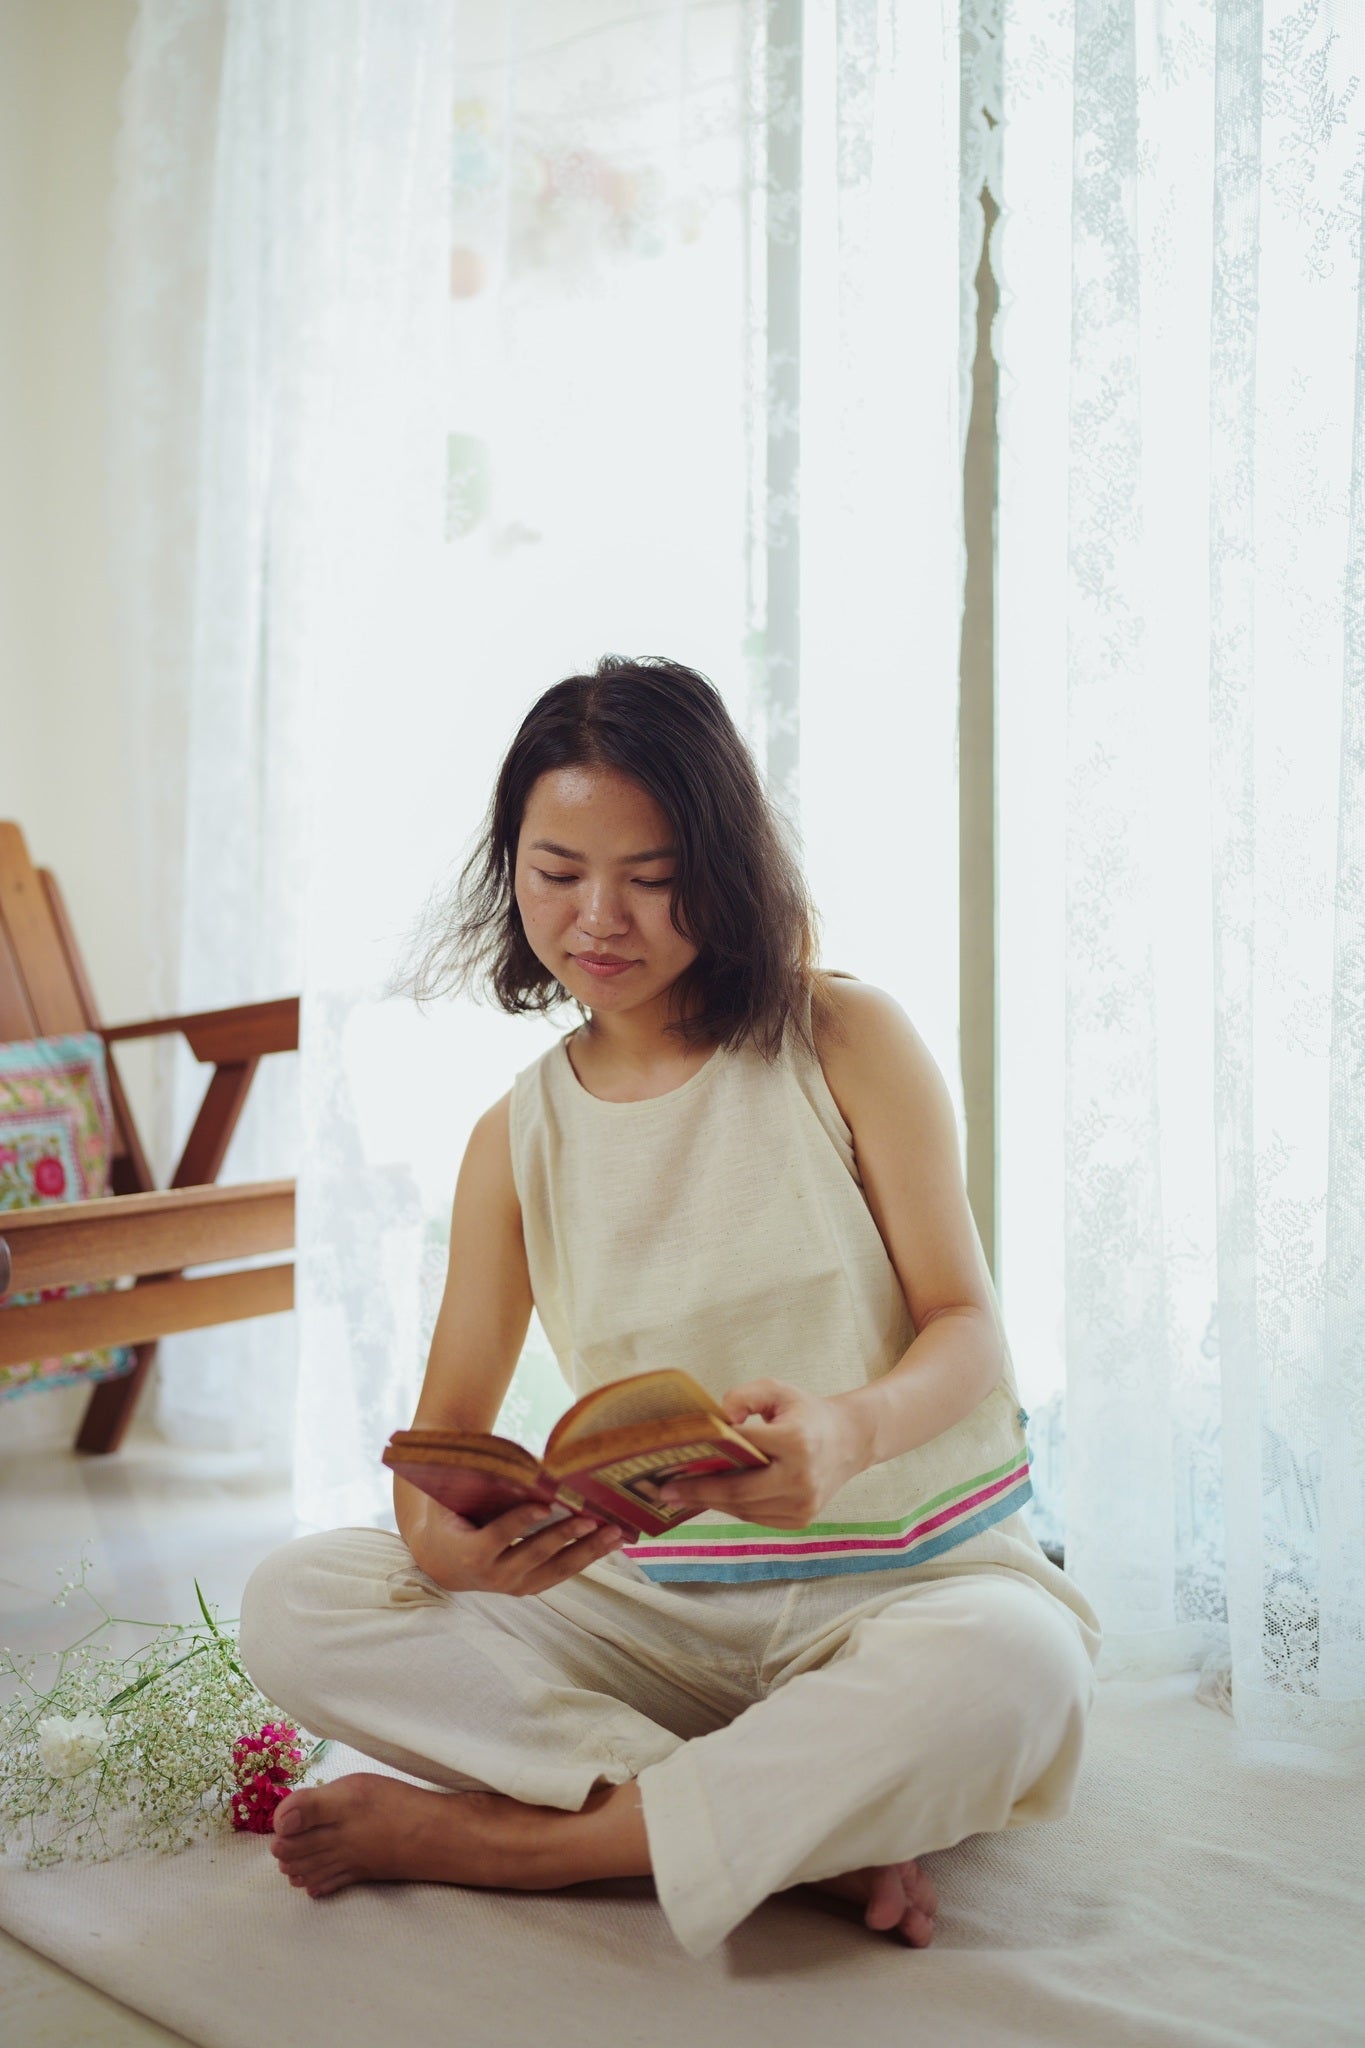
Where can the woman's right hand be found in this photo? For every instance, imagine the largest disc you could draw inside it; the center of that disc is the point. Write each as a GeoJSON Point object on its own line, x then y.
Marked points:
{"type": "Point", "coordinates": [502, 1556]}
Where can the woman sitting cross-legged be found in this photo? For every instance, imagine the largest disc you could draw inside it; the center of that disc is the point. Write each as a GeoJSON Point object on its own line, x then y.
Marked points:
{"type": "Point", "coordinates": [747, 1168]}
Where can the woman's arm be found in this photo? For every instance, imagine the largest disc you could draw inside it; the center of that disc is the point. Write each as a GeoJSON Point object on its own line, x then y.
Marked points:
{"type": "Point", "coordinates": [486, 1307]}
{"type": "Point", "coordinates": [485, 1310]}
{"type": "Point", "coordinates": [896, 1103]}
{"type": "Point", "coordinates": [474, 1351]}
{"type": "Point", "coordinates": [894, 1100]}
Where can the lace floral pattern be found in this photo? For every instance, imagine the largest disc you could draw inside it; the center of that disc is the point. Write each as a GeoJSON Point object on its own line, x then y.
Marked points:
{"type": "Point", "coordinates": [1184, 306]}
{"type": "Point", "coordinates": [453, 346]}
{"type": "Point", "coordinates": [471, 314]}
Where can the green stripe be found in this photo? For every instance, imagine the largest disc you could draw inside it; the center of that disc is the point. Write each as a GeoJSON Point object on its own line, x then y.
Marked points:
{"type": "Point", "coordinates": [714, 1532]}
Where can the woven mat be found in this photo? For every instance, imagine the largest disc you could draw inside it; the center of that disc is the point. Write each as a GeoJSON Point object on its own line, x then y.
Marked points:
{"type": "Point", "coordinates": [1206, 1890]}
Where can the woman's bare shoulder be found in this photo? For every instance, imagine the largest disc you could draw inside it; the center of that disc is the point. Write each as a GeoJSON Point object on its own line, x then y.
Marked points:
{"type": "Point", "coordinates": [867, 1045]}
{"type": "Point", "coordinates": [488, 1154]}
{"type": "Point", "coordinates": [847, 1012]}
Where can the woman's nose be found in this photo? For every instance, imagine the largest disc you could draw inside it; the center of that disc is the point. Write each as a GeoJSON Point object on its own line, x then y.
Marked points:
{"type": "Point", "coordinates": [602, 910]}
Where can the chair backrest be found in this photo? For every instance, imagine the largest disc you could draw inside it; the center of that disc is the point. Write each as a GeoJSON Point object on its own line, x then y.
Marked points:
{"type": "Point", "coordinates": [44, 988]}
{"type": "Point", "coordinates": [39, 993]}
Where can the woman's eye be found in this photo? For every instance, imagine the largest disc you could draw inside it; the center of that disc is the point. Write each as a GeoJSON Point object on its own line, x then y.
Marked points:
{"type": "Point", "coordinates": [546, 876]}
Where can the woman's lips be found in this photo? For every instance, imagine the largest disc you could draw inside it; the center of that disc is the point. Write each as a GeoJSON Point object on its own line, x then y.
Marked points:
{"type": "Point", "coordinates": [603, 970]}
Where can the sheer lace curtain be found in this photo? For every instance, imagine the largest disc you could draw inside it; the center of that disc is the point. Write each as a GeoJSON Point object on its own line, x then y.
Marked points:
{"type": "Point", "coordinates": [189, 447]}
{"type": "Point", "coordinates": [457, 343]}
{"type": "Point", "coordinates": [1182, 764]}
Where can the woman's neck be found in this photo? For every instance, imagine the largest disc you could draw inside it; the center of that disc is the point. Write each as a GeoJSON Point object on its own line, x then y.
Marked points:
{"type": "Point", "coordinates": [635, 1047]}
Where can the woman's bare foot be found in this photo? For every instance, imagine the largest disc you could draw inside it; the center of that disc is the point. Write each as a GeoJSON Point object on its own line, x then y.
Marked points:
{"type": "Point", "coordinates": [366, 1828]}
{"type": "Point", "coordinates": [898, 1898]}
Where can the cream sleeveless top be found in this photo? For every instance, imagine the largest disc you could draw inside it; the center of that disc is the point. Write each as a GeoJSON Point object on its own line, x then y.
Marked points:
{"type": "Point", "coordinates": [722, 1228]}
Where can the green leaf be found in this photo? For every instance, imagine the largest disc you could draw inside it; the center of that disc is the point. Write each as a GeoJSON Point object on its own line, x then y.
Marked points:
{"type": "Point", "coordinates": [130, 1692]}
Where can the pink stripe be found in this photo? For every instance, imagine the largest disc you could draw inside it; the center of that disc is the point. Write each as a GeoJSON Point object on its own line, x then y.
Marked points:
{"type": "Point", "coordinates": [831, 1546]}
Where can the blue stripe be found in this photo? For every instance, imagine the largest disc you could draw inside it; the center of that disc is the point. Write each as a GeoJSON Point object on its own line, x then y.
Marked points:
{"type": "Point", "coordinates": [669, 1573]}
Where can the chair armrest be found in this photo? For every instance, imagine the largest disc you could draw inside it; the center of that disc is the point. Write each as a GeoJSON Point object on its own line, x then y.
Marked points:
{"type": "Point", "coordinates": [225, 1037]}
{"type": "Point", "coordinates": [74, 1242]}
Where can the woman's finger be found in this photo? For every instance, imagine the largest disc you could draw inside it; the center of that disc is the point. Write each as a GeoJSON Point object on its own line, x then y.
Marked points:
{"type": "Point", "coordinates": [731, 1489]}
{"type": "Point", "coordinates": [533, 1550]}
{"type": "Point", "coordinates": [568, 1562]}
{"type": "Point", "coordinates": [748, 1507]}
{"type": "Point", "coordinates": [758, 1399]}
{"type": "Point", "coordinates": [515, 1524]}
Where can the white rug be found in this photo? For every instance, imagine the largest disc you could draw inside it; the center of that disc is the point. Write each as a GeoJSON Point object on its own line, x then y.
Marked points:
{"type": "Point", "coordinates": [1207, 1892]}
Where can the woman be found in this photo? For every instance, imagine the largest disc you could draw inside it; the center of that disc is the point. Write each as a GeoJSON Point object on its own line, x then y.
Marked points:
{"type": "Point", "coordinates": [857, 1654]}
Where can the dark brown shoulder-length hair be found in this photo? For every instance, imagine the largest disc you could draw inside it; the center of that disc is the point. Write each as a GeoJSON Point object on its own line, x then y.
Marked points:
{"type": "Point", "coordinates": [738, 892]}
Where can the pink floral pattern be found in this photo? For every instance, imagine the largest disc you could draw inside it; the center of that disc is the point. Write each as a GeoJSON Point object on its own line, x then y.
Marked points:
{"type": "Point", "coordinates": [49, 1177]}
{"type": "Point", "coordinates": [56, 1141]}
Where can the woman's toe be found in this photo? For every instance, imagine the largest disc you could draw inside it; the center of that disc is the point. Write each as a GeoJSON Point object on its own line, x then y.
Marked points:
{"type": "Point", "coordinates": [917, 1928]}
{"type": "Point", "coordinates": [886, 1902]}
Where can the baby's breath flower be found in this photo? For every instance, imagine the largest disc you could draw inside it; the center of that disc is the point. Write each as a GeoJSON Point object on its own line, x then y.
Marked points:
{"type": "Point", "coordinates": [115, 1753]}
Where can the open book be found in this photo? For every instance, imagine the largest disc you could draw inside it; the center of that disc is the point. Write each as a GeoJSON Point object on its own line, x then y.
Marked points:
{"type": "Point", "coordinates": [606, 1457]}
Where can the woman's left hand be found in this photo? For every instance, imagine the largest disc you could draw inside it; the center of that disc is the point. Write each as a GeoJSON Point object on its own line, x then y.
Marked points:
{"type": "Point", "coordinates": [813, 1445]}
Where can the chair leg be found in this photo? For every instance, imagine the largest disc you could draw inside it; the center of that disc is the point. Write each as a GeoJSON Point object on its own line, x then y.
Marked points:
{"type": "Point", "coordinates": [110, 1407]}
{"type": "Point", "coordinates": [111, 1404]}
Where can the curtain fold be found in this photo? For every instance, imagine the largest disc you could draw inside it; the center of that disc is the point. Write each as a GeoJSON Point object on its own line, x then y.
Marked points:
{"type": "Point", "coordinates": [190, 366]}
{"type": "Point", "coordinates": [888, 265]}
{"type": "Point", "coordinates": [526, 334]}
{"type": "Point", "coordinates": [1182, 783]}
{"type": "Point", "coordinates": [455, 344]}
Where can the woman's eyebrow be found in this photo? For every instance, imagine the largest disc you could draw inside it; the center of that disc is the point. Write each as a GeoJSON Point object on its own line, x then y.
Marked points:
{"type": "Point", "coordinates": [627, 859]}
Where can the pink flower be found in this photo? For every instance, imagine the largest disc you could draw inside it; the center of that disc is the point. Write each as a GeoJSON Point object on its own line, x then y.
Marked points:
{"type": "Point", "coordinates": [265, 1766]}
{"type": "Point", "coordinates": [49, 1176]}
{"type": "Point", "coordinates": [8, 1156]}
{"type": "Point", "coordinates": [253, 1806]}
{"type": "Point", "coordinates": [274, 1751]}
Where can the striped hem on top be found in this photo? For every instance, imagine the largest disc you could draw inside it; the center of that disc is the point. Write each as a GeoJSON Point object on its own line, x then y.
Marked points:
{"type": "Point", "coordinates": [743, 1550]}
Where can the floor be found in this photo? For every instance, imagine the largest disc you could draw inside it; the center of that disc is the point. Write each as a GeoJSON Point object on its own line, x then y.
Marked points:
{"type": "Point", "coordinates": [1206, 1889]}
{"type": "Point", "coordinates": [152, 1519]}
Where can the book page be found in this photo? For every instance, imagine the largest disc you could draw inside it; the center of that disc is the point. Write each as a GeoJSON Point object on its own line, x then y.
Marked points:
{"type": "Point", "coordinates": [450, 1447]}
{"type": "Point", "coordinates": [644, 1397]}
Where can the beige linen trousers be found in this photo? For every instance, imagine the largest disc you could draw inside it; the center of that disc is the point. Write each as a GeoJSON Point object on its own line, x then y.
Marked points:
{"type": "Point", "coordinates": [781, 1731]}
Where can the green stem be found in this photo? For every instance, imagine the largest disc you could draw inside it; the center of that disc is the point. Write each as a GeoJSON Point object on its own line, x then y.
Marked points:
{"type": "Point", "coordinates": [94, 1804]}
{"type": "Point", "coordinates": [127, 1621]}
{"type": "Point", "coordinates": [130, 1692]}
{"type": "Point", "coordinates": [204, 1610]}
{"type": "Point", "coordinates": [99, 1625]}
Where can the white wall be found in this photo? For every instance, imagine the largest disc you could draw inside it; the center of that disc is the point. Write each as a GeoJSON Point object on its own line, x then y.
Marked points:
{"type": "Point", "coordinates": [63, 746]}
{"type": "Point", "coordinates": [63, 743]}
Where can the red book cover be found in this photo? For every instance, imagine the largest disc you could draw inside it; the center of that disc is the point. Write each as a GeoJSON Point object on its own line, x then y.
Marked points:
{"type": "Point", "coordinates": [607, 1457]}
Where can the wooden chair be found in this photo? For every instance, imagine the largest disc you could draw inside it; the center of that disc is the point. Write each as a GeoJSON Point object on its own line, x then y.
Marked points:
{"type": "Point", "coordinates": [44, 992]}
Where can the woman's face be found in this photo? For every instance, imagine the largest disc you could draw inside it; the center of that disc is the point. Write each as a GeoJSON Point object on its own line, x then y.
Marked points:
{"type": "Point", "coordinates": [595, 861]}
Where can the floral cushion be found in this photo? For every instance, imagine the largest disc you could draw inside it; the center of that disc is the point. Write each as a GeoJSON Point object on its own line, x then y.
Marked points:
{"type": "Point", "coordinates": [56, 1140]}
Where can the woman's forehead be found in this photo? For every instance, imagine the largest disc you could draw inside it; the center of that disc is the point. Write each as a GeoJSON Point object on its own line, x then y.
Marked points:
{"type": "Point", "coordinates": [597, 803]}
